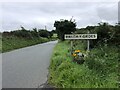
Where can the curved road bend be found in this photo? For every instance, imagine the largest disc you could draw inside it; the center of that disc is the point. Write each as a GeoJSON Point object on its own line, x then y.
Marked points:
{"type": "Point", "coordinates": [26, 67]}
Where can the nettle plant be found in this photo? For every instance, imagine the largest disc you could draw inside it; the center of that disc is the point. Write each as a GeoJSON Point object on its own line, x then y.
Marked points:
{"type": "Point", "coordinates": [78, 56]}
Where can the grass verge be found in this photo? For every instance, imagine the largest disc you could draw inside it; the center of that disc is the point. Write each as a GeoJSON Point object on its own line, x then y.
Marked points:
{"type": "Point", "coordinates": [98, 71]}
{"type": "Point", "coordinates": [11, 43]}
{"type": "Point", "coordinates": [0, 44]}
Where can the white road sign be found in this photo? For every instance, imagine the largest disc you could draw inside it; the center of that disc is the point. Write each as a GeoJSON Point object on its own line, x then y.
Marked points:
{"type": "Point", "coordinates": [80, 36]}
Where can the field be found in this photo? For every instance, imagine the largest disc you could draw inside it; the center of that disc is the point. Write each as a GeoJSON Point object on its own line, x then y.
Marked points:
{"type": "Point", "coordinates": [100, 69]}
{"type": "Point", "coordinates": [11, 43]}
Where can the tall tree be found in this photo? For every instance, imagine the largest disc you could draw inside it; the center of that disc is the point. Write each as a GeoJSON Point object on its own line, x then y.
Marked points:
{"type": "Point", "coordinates": [64, 27]}
{"type": "Point", "coordinates": [44, 33]}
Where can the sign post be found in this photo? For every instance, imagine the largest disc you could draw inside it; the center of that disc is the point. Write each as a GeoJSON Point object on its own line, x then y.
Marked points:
{"type": "Point", "coordinates": [71, 46]}
{"type": "Point", "coordinates": [81, 36]}
{"type": "Point", "coordinates": [88, 43]}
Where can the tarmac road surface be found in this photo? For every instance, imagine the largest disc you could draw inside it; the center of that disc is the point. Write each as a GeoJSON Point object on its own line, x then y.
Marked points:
{"type": "Point", "coordinates": [26, 67]}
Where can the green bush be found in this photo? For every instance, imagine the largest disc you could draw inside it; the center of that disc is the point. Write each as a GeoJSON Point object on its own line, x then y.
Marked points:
{"type": "Point", "coordinates": [103, 59]}
{"type": "Point", "coordinates": [98, 71]}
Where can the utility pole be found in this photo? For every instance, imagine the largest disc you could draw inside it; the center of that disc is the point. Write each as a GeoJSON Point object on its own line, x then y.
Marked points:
{"type": "Point", "coordinates": [45, 27]}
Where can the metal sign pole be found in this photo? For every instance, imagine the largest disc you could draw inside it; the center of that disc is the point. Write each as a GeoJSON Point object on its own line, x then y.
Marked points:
{"type": "Point", "coordinates": [71, 46]}
{"type": "Point", "coordinates": [88, 43]}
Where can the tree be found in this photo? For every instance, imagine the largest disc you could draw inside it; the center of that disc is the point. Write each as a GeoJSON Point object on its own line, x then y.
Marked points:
{"type": "Point", "coordinates": [103, 31]}
{"type": "Point", "coordinates": [34, 32]}
{"type": "Point", "coordinates": [50, 34]}
{"type": "Point", "coordinates": [64, 27]}
{"type": "Point", "coordinates": [115, 35]}
{"type": "Point", "coordinates": [44, 33]}
{"type": "Point", "coordinates": [22, 33]}
{"type": "Point", "coordinates": [53, 31]}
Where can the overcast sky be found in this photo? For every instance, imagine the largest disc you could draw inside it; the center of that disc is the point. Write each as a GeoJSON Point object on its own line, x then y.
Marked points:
{"type": "Point", "coordinates": [41, 14]}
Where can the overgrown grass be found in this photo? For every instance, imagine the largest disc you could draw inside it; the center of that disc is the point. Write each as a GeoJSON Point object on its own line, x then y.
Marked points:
{"type": "Point", "coordinates": [98, 71]}
{"type": "Point", "coordinates": [11, 43]}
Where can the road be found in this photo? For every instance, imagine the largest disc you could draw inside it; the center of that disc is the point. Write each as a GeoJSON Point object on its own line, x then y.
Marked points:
{"type": "Point", "coordinates": [26, 67]}
{"type": "Point", "coordinates": [0, 71]}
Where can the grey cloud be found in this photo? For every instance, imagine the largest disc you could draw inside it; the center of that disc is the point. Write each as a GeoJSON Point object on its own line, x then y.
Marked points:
{"type": "Point", "coordinates": [108, 12]}
{"type": "Point", "coordinates": [45, 13]}
{"type": "Point", "coordinates": [119, 12]}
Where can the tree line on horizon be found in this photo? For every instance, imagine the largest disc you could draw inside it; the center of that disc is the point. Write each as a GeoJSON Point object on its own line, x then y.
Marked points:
{"type": "Point", "coordinates": [29, 34]}
{"type": "Point", "coordinates": [107, 34]}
